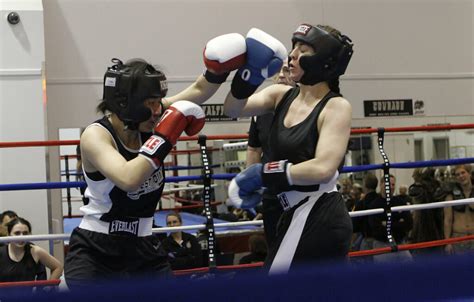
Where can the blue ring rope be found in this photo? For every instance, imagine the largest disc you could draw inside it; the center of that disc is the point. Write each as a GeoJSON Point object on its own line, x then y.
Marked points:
{"type": "Point", "coordinates": [228, 176]}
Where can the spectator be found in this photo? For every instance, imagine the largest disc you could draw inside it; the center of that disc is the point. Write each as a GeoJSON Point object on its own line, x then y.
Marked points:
{"type": "Point", "coordinates": [258, 250]}
{"type": "Point", "coordinates": [459, 220]}
{"type": "Point", "coordinates": [21, 261]}
{"type": "Point", "coordinates": [403, 194]}
{"type": "Point", "coordinates": [346, 186]}
{"type": "Point", "coordinates": [428, 223]}
{"type": "Point", "coordinates": [184, 251]}
{"type": "Point", "coordinates": [355, 195]}
{"type": "Point", "coordinates": [5, 218]}
{"type": "Point", "coordinates": [402, 222]}
{"type": "Point", "coordinates": [363, 237]}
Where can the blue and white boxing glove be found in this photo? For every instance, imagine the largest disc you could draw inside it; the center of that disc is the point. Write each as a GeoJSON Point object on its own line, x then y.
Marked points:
{"type": "Point", "coordinates": [245, 190]}
{"type": "Point", "coordinates": [265, 56]}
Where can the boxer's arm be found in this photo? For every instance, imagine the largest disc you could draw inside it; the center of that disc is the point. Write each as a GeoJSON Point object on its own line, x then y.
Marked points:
{"type": "Point", "coordinates": [221, 55]}
{"type": "Point", "coordinates": [99, 154]}
{"type": "Point", "coordinates": [198, 92]}
{"type": "Point", "coordinates": [254, 146]}
{"type": "Point", "coordinates": [259, 103]}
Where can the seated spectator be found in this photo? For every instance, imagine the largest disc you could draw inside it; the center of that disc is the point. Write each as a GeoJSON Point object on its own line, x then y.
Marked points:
{"type": "Point", "coordinates": [21, 261]}
{"type": "Point", "coordinates": [5, 218]}
{"type": "Point", "coordinates": [258, 250]}
{"type": "Point", "coordinates": [184, 251]}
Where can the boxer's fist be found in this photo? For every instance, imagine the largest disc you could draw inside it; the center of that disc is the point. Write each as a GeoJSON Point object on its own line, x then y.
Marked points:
{"type": "Point", "coordinates": [265, 56]}
{"type": "Point", "coordinates": [180, 116]}
{"type": "Point", "coordinates": [222, 55]}
{"type": "Point", "coordinates": [245, 189]}
{"type": "Point", "coordinates": [276, 176]}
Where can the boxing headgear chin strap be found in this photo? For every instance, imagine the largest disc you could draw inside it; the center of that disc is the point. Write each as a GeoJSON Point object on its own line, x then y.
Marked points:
{"type": "Point", "coordinates": [125, 91]}
{"type": "Point", "coordinates": [332, 54]}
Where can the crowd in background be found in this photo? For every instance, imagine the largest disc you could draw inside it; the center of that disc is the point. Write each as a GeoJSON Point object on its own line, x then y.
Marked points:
{"type": "Point", "coordinates": [187, 251]}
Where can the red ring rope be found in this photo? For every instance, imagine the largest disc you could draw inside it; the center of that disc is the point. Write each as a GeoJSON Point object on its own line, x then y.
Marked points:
{"type": "Point", "coordinates": [245, 136]}
{"type": "Point", "coordinates": [53, 282]}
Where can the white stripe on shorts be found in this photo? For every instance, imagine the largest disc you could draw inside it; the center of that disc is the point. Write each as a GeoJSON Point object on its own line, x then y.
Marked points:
{"type": "Point", "coordinates": [284, 256]}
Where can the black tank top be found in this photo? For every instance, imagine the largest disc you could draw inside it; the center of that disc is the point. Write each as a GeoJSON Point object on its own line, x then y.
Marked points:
{"type": "Point", "coordinates": [297, 143]}
{"type": "Point", "coordinates": [24, 270]}
{"type": "Point", "coordinates": [459, 194]}
{"type": "Point", "coordinates": [141, 203]}
{"type": "Point", "coordinates": [258, 133]}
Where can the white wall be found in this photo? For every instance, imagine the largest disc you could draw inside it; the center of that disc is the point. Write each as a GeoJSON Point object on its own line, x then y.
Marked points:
{"type": "Point", "coordinates": [22, 116]}
{"type": "Point", "coordinates": [418, 49]}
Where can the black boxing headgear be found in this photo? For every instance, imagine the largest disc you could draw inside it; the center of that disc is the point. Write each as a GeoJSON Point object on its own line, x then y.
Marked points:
{"type": "Point", "coordinates": [332, 54]}
{"type": "Point", "coordinates": [127, 86]}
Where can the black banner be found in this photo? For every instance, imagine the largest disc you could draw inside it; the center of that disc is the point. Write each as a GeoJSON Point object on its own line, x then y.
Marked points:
{"type": "Point", "coordinates": [402, 107]}
{"type": "Point", "coordinates": [215, 113]}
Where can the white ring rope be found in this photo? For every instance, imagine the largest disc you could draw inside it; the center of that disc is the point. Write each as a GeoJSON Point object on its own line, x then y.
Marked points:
{"type": "Point", "coordinates": [190, 187]}
{"type": "Point", "coordinates": [424, 206]}
{"type": "Point", "coordinates": [235, 146]}
{"type": "Point", "coordinates": [155, 230]}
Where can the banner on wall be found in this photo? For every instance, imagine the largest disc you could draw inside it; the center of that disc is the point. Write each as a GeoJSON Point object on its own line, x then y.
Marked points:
{"type": "Point", "coordinates": [215, 113]}
{"type": "Point", "coordinates": [401, 107]}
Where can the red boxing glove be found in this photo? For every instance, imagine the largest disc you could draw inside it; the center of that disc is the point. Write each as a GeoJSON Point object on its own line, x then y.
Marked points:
{"type": "Point", "coordinates": [222, 55]}
{"type": "Point", "coordinates": [181, 116]}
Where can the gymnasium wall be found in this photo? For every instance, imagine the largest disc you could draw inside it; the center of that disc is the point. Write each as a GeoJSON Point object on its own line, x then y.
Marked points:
{"type": "Point", "coordinates": [404, 49]}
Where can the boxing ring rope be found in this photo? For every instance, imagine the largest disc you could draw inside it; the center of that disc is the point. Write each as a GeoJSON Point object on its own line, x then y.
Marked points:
{"type": "Point", "coordinates": [39, 283]}
{"type": "Point", "coordinates": [47, 237]}
{"type": "Point", "coordinates": [228, 176]}
{"type": "Point", "coordinates": [242, 145]}
{"type": "Point", "coordinates": [243, 136]}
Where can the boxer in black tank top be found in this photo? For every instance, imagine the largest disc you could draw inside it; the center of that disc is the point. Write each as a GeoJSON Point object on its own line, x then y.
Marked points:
{"type": "Point", "coordinates": [307, 142]}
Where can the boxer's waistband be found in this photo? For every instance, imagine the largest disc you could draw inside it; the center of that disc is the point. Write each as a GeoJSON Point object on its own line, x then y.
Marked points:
{"type": "Point", "coordinates": [135, 227]}
{"type": "Point", "coordinates": [290, 199]}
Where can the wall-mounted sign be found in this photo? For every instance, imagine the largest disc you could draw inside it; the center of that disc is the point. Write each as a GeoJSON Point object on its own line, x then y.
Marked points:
{"type": "Point", "coordinates": [402, 107]}
{"type": "Point", "coordinates": [215, 113]}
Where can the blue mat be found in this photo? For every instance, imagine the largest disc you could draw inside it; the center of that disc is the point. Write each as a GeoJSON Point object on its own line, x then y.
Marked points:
{"type": "Point", "coordinates": [430, 279]}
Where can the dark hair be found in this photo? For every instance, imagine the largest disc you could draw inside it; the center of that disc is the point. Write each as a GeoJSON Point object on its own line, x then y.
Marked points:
{"type": "Point", "coordinates": [257, 244]}
{"type": "Point", "coordinates": [8, 213]}
{"type": "Point", "coordinates": [176, 214]}
{"type": "Point", "coordinates": [334, 85]}
{"type": "Point", "coordinates": [371, 181]}
{"type": "Point", "coordinates": [17, 220]}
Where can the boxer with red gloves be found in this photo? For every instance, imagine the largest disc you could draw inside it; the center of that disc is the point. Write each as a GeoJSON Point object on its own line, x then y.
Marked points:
{"type": "Point", "coordinates": [122, 160]}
